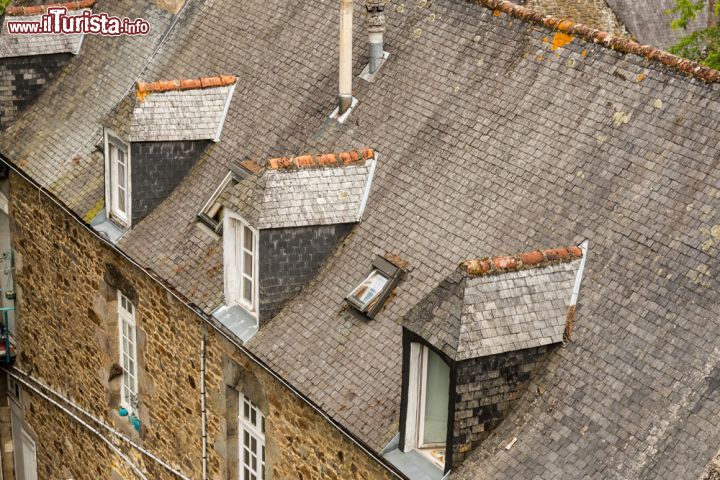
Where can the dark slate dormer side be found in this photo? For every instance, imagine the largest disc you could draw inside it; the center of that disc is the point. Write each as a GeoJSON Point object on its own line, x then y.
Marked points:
{"type": "Point", "coordinates": [289, 258]}
{"type": "Point", "coordinates": [486, 390]}
{"type": "Point", "coordinates": [156, 168]}
{"type": "Point", "coordinates": [22, 80]}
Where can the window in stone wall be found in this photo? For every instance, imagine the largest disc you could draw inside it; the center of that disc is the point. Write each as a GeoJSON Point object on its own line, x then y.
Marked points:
{"type": "Point", "coordinates": [252, 441]}
{"type": "Point", "coordinates": [128, 353]}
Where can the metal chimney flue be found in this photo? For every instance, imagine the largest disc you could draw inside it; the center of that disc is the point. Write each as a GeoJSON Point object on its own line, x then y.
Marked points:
{"type": "Point", "coordinates": [346, 25]}
{"type": "Point", "coordinates": [376, 32]}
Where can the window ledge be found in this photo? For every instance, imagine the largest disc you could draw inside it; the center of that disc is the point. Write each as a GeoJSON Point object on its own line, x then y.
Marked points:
{"type": "Point", "coordinates": [238, 320]}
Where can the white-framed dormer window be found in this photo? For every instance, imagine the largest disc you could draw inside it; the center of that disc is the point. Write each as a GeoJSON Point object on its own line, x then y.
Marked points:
{"type": "Point", "coordinates": [128, 353]}
{"type": "Point", "coordinates": [241, 262]}
{"type": "Point", "coordinates": [117, 179]}
{"type": "Point", "coordinates": [252, 440]}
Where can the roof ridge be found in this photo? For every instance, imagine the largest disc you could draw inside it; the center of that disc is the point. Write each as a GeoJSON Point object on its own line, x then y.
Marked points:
{"type": "Point", "coordinates": [325, 160]}
{"type": "Point", "coordinates": [608, 40]}
{"type": "Point", "coordinates": [38, 9]}
{"type": "Point", "coordinates": [159, 86]}
{"type": "Point", "coordinates": [521, 261]}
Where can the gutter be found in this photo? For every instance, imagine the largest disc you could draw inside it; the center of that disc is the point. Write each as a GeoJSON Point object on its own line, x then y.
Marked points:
{"type": "Point", "coordinates": [221, 329]}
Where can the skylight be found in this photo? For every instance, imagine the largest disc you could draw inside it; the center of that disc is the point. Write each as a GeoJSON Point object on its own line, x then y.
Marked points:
{"type": "Point", "coordinates": [372, 293]}
{"type": "Point", "coordinates": [369, 290]}
{"type": "Point", "coordinates": [212, 212]}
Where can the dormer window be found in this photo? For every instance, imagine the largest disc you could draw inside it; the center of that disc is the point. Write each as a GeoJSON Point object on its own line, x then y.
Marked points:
{"type": "Point", "coordinates": [242, 264]}
{"type": "Point", "coordinates": [370, 295]}
{"type": "Point", "coordinates": [117, 172]}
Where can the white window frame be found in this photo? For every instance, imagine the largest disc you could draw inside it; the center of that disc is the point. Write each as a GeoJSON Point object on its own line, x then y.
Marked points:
{"type": "Point", "coordinates": [111, 203]}
{"type": "Point", "coordinates": [29, 456]}
{"type": "Point", "coordinates": [126, 317]}
{"type": "Point", "coordinates": [417, 384]}
{"type": "Point", "coordinates": [233, 247]}
{"type": "Point", "coordinates": [251, 427]}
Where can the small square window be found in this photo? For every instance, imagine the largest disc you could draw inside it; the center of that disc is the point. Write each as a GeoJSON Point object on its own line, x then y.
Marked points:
{"type": "Point", "coordinates": [370, 295]}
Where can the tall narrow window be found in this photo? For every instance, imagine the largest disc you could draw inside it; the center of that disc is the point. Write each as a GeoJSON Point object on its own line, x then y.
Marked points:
{"type": "Point", "coordinates": [252, 441]}
{"type": "Point", "coordinates": [241, 244]}
{"type": "Point", "coordinates": [119, 180]}
{"type": "Point", "coordinates": [128, 353]}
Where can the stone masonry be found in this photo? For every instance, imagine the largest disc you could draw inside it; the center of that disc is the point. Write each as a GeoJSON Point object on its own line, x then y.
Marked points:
{"type": "Point", "coordinates": [67, 283]}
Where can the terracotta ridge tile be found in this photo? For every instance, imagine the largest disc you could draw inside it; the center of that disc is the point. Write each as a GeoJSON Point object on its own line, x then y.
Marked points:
{"type": "Point", "coordinates": [40, 9]}
{"type": "Point", "coordinates": [608, 40]}
{"type": "Point", "coordinates": [521, 261]}
{"type": "Point", "coordinates": [143, 88]}
{"type": "Point", "coordinates": [320, 161]}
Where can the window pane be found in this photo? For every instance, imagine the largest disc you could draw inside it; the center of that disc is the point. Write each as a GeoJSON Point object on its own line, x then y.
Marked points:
{"type": "Point", "coordinates": [436, 399]}
{"type": "Point", "coordinates": [247, 290]}
{"type": "Point", "coordinates": [248, 264]}
{"type": "Point", "coordinates": [121, 200]}
{"type": "Point", "coordinates": [369, 288]}
{"type": "Point", "coordinates": [248, 239]}
{"type": "Point", "coordinates": [121, 175]}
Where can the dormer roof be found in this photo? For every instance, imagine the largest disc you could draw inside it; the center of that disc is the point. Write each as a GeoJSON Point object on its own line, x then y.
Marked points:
{"type": "Point", "coordinates": [305, 190]}
{"type": "Point", "coordinates": [501, 304]}
{"type": "Point", "coordinates": [185, 109]}
{"type": "Point", "coordinates": [45, 44]}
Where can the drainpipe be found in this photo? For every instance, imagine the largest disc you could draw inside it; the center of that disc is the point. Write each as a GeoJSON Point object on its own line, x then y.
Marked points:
{"type": "Point", "coordinates": [202, 403]}
{"type": "Point", "coordinates": [345, 98]}
{"type": "Point", "coordinates": [376, 31]}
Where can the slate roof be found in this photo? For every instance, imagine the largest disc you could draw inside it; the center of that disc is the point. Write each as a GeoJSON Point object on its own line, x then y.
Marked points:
{"type": "Point", "coordinates": [496, 133]}
{"type": "Point", "coordinates": [593, 13]}
{"type": "Point", "coordinates": [477, 311]}
{"type": "Point", "coordinates": [28, 45]}
{"type": "Point", "coordinates": [172, 111]}
{"type": "Point", "coordinates": [325, 195]}
{"type": "Point", "coordinates": [647, 21]}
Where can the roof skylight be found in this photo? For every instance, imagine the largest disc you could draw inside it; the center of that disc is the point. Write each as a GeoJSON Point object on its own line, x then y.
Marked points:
{"type": "Point", "coordinates": [372, 293]}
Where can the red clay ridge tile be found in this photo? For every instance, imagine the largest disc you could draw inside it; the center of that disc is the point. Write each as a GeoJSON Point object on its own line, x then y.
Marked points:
{"type": "Point", "coordinates": [251, 166]}
{"type": "Point", "coordinates": [40, 9]}
{"type": "Point", "coordinates": [324, 160]}
{"type": "Point", "coordinates": [144, 88]}
{"type": "Point", "coordinates": [619, 44]}
{"type": "Point", "coordinates": [521, 261]}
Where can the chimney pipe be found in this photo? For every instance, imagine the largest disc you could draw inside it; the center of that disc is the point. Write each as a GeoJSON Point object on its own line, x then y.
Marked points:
{"type": "Point", "coordinates": [345, 100]}
{"type": "Point", "coordinates": [376, 31]}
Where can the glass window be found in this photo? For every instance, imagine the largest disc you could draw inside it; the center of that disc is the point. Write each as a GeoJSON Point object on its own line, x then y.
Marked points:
{"type": "Point", "coordinates": [119, 181]}
{"type": "Point", "coordinates": [435, 388]}
{"type": "Point", "coordinates": [252, 441]}
{"type": "Point", "coordinates": [128, 353]}
{"type": "Point", "coordinates": [212, 212]}
{"type": "Point", "coordinates": [369, 290]}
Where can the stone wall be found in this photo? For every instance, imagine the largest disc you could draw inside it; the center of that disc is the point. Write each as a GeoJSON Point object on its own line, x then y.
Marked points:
{"type": "Point", "coordinates": [289, 257]}
{"type": "Point", "coordinates": [156, 169]}
{"type": "Point", "coordinates": [67, 281]}
{"type": "Point", "coordinates": [486, 389]}
{"type": "Point", "coordinates": [22, 79]}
